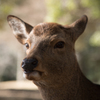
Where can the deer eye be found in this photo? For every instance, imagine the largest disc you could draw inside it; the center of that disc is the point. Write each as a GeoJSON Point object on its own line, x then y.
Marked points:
{"type": "Point", "coordinates": [59, 45]}
{"type": "Point", "coordinates": [27, 45]}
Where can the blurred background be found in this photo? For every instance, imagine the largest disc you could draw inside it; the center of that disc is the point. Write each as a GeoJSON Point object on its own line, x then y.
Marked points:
{"type": "Point", "coordinates": [35, 12]}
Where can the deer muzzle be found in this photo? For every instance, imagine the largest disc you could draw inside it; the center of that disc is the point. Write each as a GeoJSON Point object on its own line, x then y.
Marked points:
{"type": "Point", "coordinates": [28, 65]}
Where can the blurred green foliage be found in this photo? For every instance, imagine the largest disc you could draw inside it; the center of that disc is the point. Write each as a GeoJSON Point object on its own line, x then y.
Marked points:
{"type": "Point", "coordinates": [59, 8]}
{"type": "Point", "coordinates": [94, 6]}
{"type": "Point", "coordinates": [95, 39]}
{"type": "Point", "coordinates": [88, 45]}
{"type": "Point", "coordinates": [55, 10]}
{"type": "Point", "coordinates": [6, 7]}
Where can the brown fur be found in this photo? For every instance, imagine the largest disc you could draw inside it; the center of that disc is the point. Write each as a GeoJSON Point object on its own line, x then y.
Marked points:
{"type": "Point", "coordinates": [57, 74]}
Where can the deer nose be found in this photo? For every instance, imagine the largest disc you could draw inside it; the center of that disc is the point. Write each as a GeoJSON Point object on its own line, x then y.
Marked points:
{"type": "Point", "coordinates": [29, 64]}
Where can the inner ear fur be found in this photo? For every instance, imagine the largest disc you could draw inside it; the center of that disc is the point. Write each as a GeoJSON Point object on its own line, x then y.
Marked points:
{"type": "Point", "coordinates": [78, 27]}
{"type": "Point", "coordinates": [20, 28]}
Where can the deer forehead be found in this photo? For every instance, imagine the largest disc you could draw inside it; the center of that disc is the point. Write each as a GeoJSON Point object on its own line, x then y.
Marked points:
{"type": "Point", "coordinates": [45, 32]}
{"type": "Point", "coordinates": [47, 29]}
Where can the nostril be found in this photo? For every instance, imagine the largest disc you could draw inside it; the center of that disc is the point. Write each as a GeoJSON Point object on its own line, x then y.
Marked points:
{"type": "Point", "coordinates": [34, 62]}
{"type": "Point", "coordinates": [23, 65]}
{"type": "Point", "coordinates": [24, 61]}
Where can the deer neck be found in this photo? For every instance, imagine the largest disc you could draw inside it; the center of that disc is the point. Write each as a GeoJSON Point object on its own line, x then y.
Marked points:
{"type": "Point", "coordinates": [68, 90]}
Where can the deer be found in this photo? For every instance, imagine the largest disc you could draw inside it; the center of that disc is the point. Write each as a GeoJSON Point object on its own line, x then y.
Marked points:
{"type": "Point", "coordinates": [51, 61]}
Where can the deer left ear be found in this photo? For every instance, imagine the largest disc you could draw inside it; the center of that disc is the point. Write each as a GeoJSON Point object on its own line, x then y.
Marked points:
{"type": "Point", "coordinates": [78, 27]}
{"type": "Point", "coordinates": [21, 29]}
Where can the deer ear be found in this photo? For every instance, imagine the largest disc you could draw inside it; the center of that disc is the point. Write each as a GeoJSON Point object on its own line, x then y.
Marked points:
{"type": "Point", "coordinates": [20, 28]}
{"type": "Point", "coordinates": [78, 27]}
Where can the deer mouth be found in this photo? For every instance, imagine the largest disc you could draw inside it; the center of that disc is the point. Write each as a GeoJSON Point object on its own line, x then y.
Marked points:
{"type": "Point", "coordinates": [33, 74]}
{"type": "Point", "coordinates": [32, 71]}
{"type": "Point", "coordinates": [27, 72]}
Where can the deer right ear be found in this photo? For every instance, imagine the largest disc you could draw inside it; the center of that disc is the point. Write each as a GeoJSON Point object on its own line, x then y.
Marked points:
{"type": "Point", "coordinates": [20, 28]}
{"type": "Point", "coordinates": [78, 27]}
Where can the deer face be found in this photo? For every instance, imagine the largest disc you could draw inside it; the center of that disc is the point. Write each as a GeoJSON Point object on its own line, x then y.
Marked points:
{"type": "Point", "coordinates": [49, 48]}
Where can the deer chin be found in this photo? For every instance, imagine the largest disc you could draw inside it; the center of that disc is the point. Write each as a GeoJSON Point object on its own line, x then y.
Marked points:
{"type": "Point", "coordinates": [34, 75]}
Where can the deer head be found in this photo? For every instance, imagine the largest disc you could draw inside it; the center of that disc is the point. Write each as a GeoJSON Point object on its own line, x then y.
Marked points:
{"type": "Point", "coordinates": [50, 58]}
